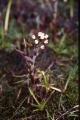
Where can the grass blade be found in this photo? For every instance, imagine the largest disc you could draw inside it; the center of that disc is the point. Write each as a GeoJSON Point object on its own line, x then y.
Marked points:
{"type": "Point", "coordinates": [7, 16]}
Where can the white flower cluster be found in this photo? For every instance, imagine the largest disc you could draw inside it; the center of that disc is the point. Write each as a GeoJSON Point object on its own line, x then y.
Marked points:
{"type": "Point", "coordinates": [41, 39]}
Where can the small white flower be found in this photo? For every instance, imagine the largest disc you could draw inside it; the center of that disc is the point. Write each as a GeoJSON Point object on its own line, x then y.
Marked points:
{"type": "Point", "coordinates": [46, 41]}
{"type": "Point", "coordinates": [42, 47]}
{"type": "Point", "coordinates": [33, 37]}
{"type": "Point", "coordinates": [46, 36]}
{"type": "Point", "coordinates": [41, 35]}
{"type": "Point", "coordinates": [36, 42]}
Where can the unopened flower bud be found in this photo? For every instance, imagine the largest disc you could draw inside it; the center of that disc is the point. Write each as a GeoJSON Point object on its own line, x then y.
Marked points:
{"type": "Point", "coordinates": [42, 47]}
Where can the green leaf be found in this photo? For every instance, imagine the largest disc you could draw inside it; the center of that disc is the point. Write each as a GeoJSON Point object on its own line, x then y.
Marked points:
{"type": "Point", "coordinates": [33, 95]}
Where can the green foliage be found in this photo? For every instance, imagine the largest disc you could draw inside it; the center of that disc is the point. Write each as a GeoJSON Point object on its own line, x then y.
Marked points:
{"type": "Point", "coordinates": [62, 47]}
{"type": "Point", "coordinates": [49, 116]}
{"type": "Point", "coordinates": [39, 105]}
{"type": "Point", "coordinates": [14, 33]}
{"type": "Point", "coordinates": [45, 83]}
{"type": "Point", "coordinates": [70, 95]}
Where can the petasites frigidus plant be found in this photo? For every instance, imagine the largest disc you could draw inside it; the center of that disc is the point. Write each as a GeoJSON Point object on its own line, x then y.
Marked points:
{"type": "Point", "coordinates": [38, 43]}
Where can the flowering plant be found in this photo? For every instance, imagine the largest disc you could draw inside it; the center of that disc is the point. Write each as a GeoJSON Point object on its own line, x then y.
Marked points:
{"type": "Point", "coordinates": [39, 42]}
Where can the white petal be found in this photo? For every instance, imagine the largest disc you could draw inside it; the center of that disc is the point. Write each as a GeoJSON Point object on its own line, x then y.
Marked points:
{"type": "Point", "coordinates": [36, 41]}
{"type": "Point", "coordinates": [42, 47]}
{"type": "Point", "coordinates": [46, 41]}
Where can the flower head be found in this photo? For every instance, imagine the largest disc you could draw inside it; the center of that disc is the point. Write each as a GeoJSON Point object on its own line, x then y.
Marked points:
{"type": "Point", "coordinates": [40, 40]}
{"type": "Point", "coordinates": [36, 41]}
{"type": "Point", "coordinates": [41, 35]}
